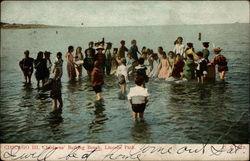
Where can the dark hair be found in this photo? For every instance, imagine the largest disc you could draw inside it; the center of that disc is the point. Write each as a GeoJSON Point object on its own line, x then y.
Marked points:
{"type": "Point", "coordinates": [59, 54]}
{"type": "Point", "coordinates": [190, 56]}
{"type": "Point", "coordinates": [39, 55]}
{"type": "Point", "coordinates": [122, 41]}
{"type": "Point", "coordinates": [97, 64]}
{"type": "Point", "coordinates": [141, 61]}
{"type": "Point", "coordinates": [47, 53]}
{"type": "Point", "coordinates": [70, 48]}
{"type": "Point", "coordinates": [171, 52]}
{"type": "Point", "coordinates": [115, 49]}
{"type": "Point", "coordinates": [190, 45]}
{"type": "Point", "coordinates": [139, 80]}
{"type": "Point", "coordinates": [160, 47]}
{"type": "Point", "coordinates": [199, 53]}
{"type": "Point", "coordinates": [205, 44]}
{"type": "Point", "coordinates": [26, 52]}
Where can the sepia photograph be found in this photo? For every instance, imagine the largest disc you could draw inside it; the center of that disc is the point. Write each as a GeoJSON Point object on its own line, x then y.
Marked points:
{"type": "Point", "coordinates": [124, 72]}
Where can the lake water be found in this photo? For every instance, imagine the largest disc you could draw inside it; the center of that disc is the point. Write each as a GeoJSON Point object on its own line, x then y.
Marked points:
{"type": "Point", "coordinates": [176, 113]}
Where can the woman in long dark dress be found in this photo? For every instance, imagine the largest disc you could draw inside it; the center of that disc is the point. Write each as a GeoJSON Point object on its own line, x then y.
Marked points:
{"type": "Point", "coordinates": [41, 69]}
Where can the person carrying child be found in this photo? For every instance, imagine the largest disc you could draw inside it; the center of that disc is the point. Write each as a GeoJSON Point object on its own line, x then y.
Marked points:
{"type": "Point", "coordinates": [138, 97]}
{"type": "Point", "coordinates": [221, 61]}
{"type": "Point", "coordinates": [54, 85]}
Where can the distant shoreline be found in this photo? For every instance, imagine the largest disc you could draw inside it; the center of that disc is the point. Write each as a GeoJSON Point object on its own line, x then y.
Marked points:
{"type": "Point", "coordinates": [26, 26]}
{"type": "Point", "coordinates": [34, 26]}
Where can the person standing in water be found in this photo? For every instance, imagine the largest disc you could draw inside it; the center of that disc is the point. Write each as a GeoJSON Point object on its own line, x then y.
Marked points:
{"type": "Point", "coordinates": [54, 85]}
{"type": "Point", "coordinates": [26, 65]}
{"type": "Point", "coordinates": [48, 64]}
{"type": "Point", "coordinates": [205, 50]}
{"type": "Point", "coordinates": [59, 64]}
{"type": "Point", "coordinates": [138, 97]}
{"type": "Point", "coordinates": [97, 79]}
{"type": "Point", "coordinates": [221, 61]}
{"type": "Point", "coordinates": [78, 60]}
{"type": "Point", "coordinates": [41, 69]}
{"type": "Point", "coordinates": [101, 58]}
{"type": "Point", "coordinates": [179, 48]}
{"type": "Point", "coordinates": [122, 75]}
{"type": "Point", "coordinates": [70, 63]}
{"type": "Point", "coordinates": [114, 62]}
{"type": "Point", "coordinates": [108, 63]}
{"type": "Point", "coordinates": [163, 68]}
{"type": "Point", "coordinates": [122, 50]}
{"type": "Point", "coordinates": [189, 68]}
{"type": "Point", "coordinates": [190, 50]}
{"type": "Point", "coordinates": [178, 67]}
{"type": "Point", "coordinates": [134, 50]}
{"type": "Point", "coordinates": [201, 69]}
{"type": "Point", "coordinates": [92, 50]}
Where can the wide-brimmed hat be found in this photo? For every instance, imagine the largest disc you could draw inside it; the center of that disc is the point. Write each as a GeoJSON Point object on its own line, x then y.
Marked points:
{"type": "Point", "coordinates": [217, 50]}
{"type": "Point", "coordinates": [99, 48]}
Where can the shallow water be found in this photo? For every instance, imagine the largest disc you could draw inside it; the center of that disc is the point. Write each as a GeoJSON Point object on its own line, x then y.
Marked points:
{"type": "Point", "coordinates": [176, 113]}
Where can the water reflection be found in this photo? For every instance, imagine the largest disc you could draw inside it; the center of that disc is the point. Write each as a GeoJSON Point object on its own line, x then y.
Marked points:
{"type": "Point", "coordinates": [140, 132]}
{"type": "Point", "coordinates": [97, 124]}
{"type": "Point", "coordinates": [55, 119]}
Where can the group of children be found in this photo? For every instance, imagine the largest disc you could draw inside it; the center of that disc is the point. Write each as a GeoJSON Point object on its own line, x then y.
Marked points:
{"type": "Point", "coordinates": [182, 64]}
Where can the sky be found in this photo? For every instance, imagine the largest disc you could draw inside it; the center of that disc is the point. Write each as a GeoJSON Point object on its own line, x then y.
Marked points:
{"type": "Point", "coordinates": [124, 13]}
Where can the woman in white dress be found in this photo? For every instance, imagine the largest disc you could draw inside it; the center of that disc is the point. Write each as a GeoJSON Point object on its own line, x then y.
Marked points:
{"type": "Point", "coordinates": [78, 60]}
{"type": "Point", "coordinates": [154, 70]}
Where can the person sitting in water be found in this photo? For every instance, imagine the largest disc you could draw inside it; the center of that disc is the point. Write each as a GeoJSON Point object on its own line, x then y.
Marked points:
{"type": "Point", "coordinates": [189, 68]}
{"type": "Point", "coordinates": [138, 97]}
{"type": "Point", "coordinates": [221, 61]}
{"type": "Point", "coordinates": [122, 75]}
{"type": "Point", "coordinates": [26, 65]}
{"type": "Point", "coordinates": [140, 70]}
{"type": "Point", "coordinates": [201, 69]}
{"type": "Point", "coordinates": [59, 64]}
{"type": "Point", "coordinates": [54, 85]}
{"type": "Point", "coordinates": [97, 79]}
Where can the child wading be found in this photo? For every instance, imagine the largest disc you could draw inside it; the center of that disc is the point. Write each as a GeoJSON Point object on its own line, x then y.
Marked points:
{"type": "Point", "coordinates": [221, 61]}
{"type": "Point", "coordinates": [138, 97]}
{"type": "Point", "coordinates": [26, 65]}
{"type": "Point", "coordinates": [140, 70]}
{"type": "Point", "coordinates": [122, 75]}
{"type": "Point", "coordinates": [54, 85]}
{"type": "Point", "coordinates": [201, 69]}
{"type": "Point", "coordinates": [189, 68]}
{"type": "Point", "coordinates": [97, 78]}
{"type": "Point", "coordinates": [58, 64]}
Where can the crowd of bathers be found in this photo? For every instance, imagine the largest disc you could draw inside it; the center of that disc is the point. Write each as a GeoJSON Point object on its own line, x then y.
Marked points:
{"type": "Point", "coordinates": [182, 63]}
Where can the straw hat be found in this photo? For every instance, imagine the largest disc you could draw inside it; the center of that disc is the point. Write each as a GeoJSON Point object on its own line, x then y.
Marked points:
{"type": "Point", "coordinates": [99, 48]}
{"type": "Point", "coordinates": [217, 50]}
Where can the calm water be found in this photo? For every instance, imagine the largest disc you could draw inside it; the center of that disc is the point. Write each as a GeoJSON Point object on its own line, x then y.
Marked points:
{"type": "Point", "coordinates": [176, 113]}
